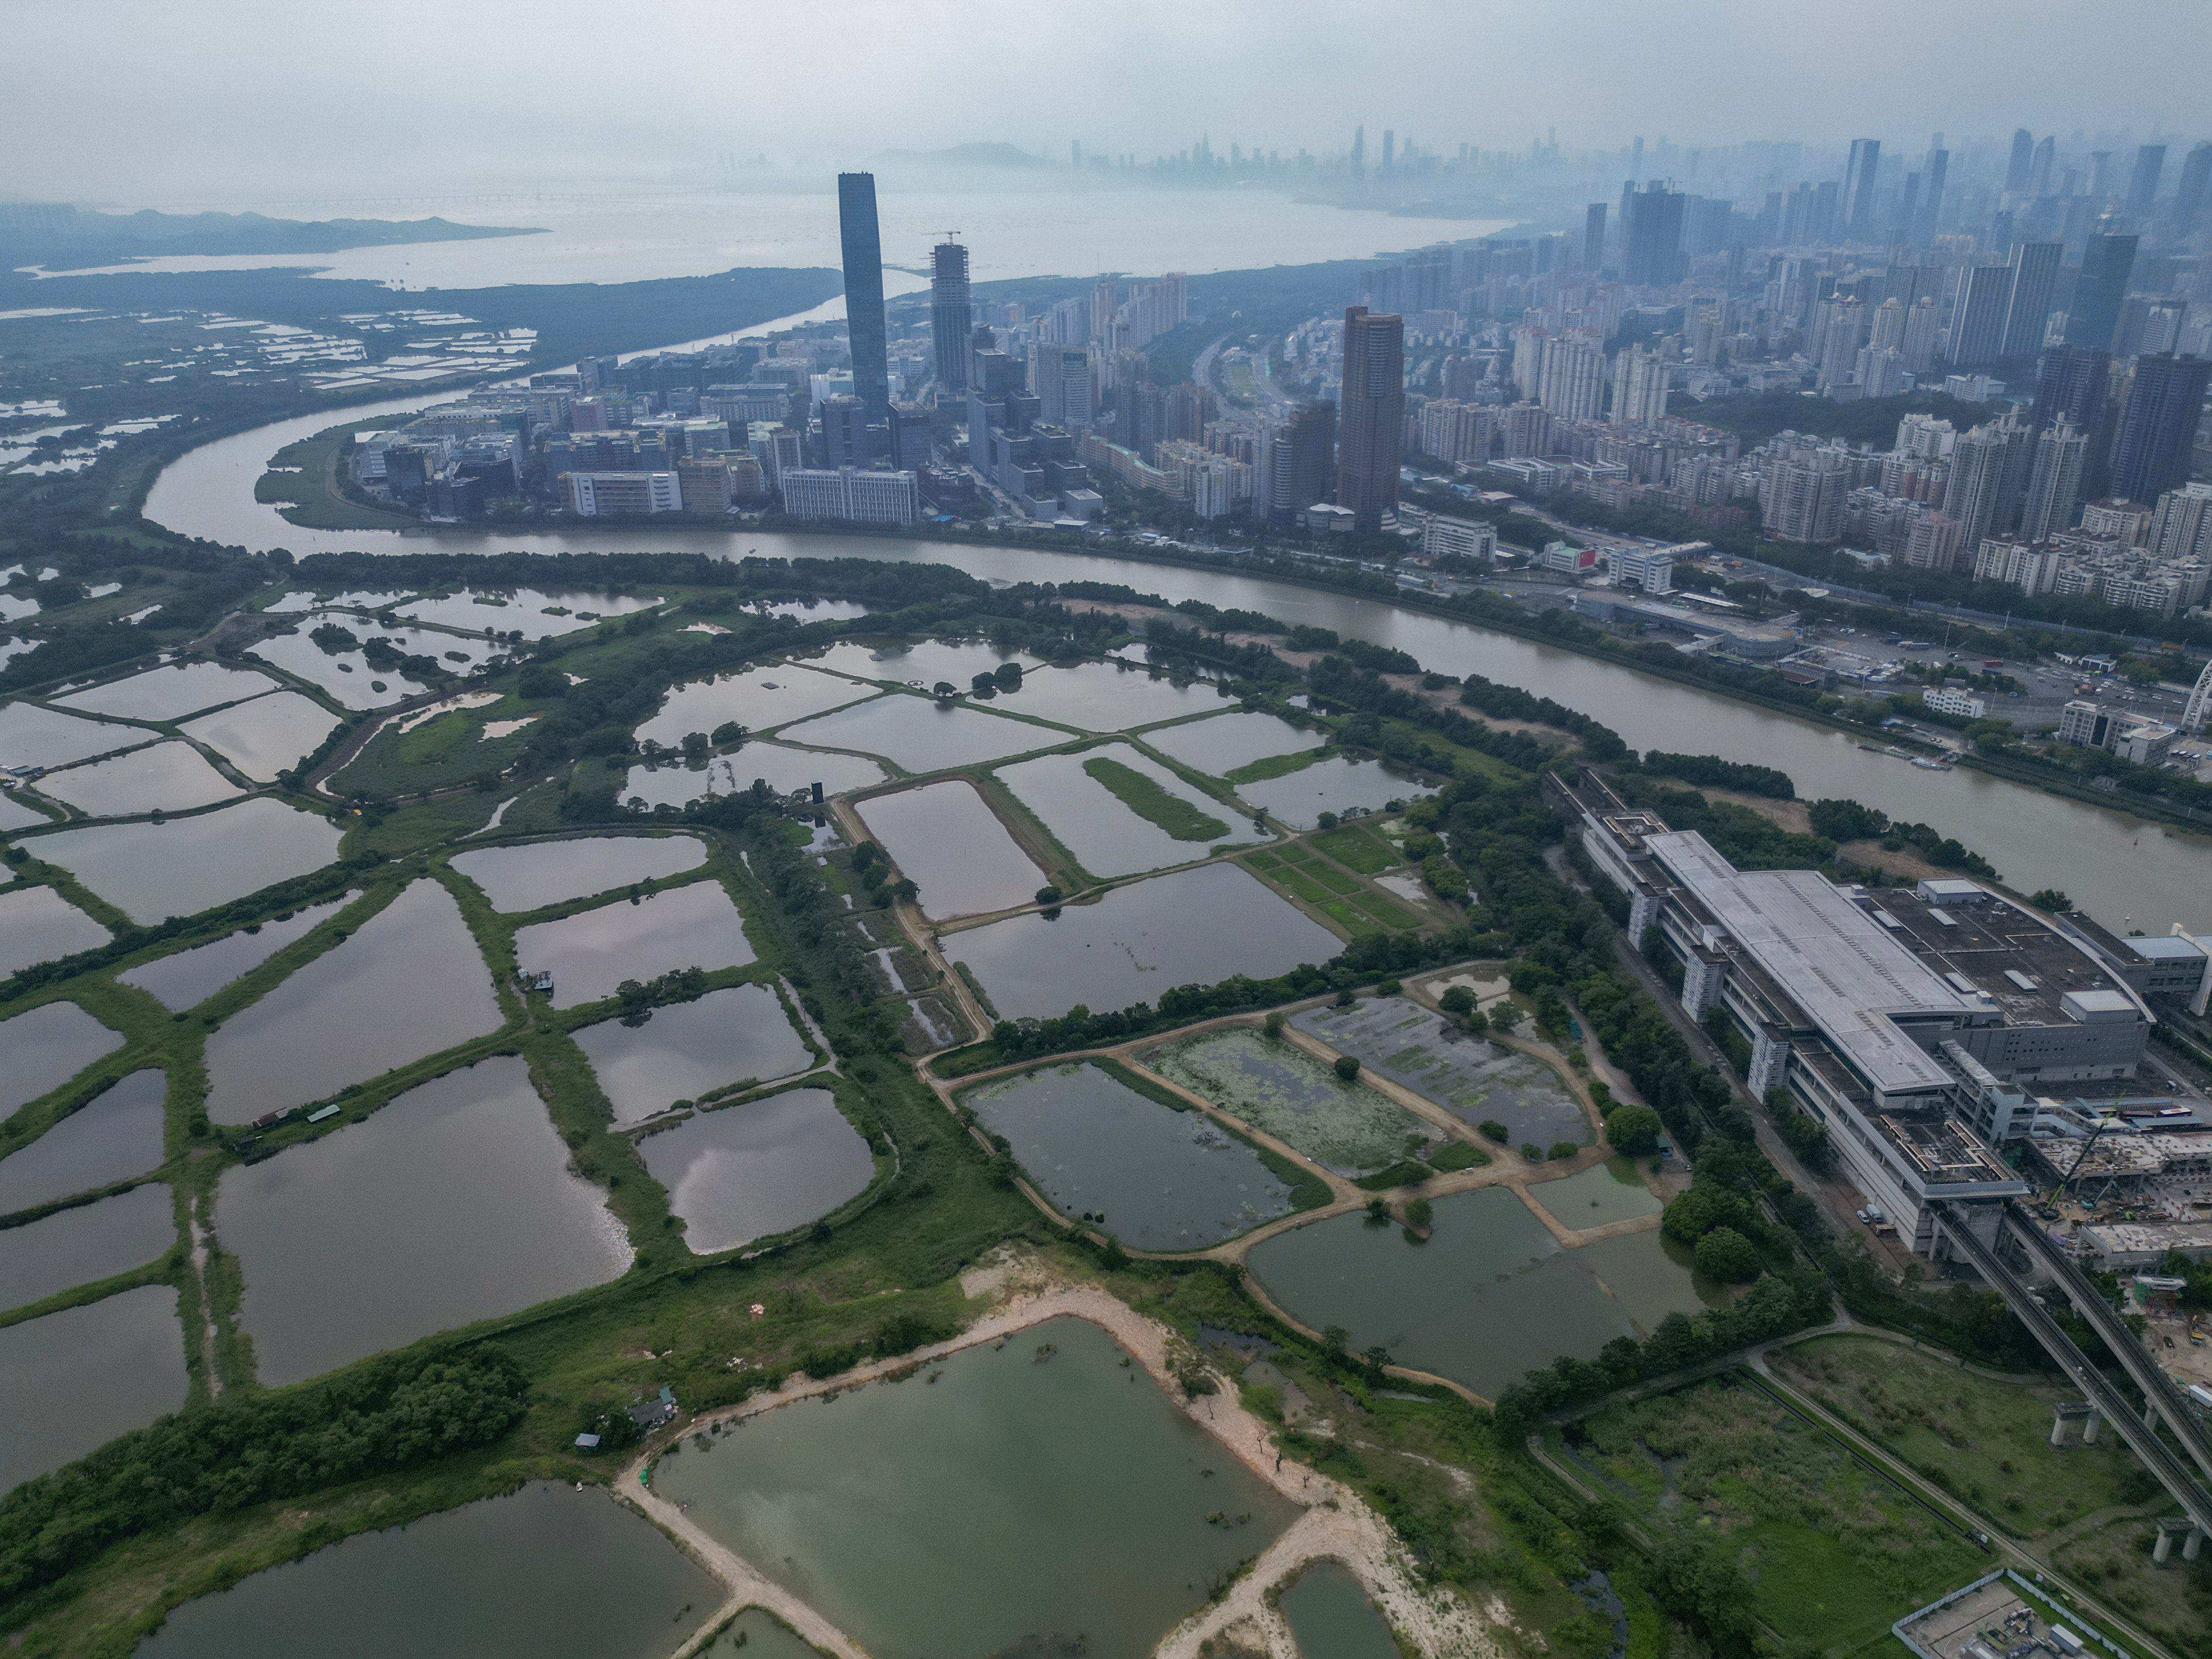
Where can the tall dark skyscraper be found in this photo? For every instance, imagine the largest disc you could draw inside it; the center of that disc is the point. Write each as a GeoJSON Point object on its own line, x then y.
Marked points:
{"type": "Point", "coordinates": [2023, 152]}
{"type": "Point", "coordinates": [1931, 193]}
{"type": "Point", "coordinates": [2194, 190]}
{"type": "Point", "coordinates": [952, 317]}
{"type": "Point", "coordinates": [2158, 424]}
{"type": "Point", "coordinates": [1374, 415]}
{"type": "Point", "coordinates": [2106, 263]}
{"type": "Point", "coordinates": [1594, 237]}
{"type": "Point", "coordinates": [2028, 307]}
{"type": "Point", "coordinates": [2143, 184]}
{"type": "Point", "coordinates": [1858, 186]}
{"type": "Point", "coordinates": [2069, 385]}
{"type": "Point", "coordinates": [1651, 235]}
{"type": "Point", "coordinates": [863, 249]}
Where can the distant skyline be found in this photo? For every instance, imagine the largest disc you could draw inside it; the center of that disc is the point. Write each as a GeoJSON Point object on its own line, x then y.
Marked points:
{"type": "Point", "coordinates": [134, 102]}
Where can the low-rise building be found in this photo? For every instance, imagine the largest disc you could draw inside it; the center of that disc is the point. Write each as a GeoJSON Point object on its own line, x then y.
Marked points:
{"type": "Point", "coordinates": [603, 495]}
{"type": "Point", "coordinates": [1951, 701]}
{"type": "Point", "coordinates": [1466, 538]}
{"type": "Point", "coordinates": [848, 495]}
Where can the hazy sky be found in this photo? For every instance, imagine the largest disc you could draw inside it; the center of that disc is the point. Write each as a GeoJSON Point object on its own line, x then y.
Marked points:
{"type": "Point", "coordinates": [231, 101]}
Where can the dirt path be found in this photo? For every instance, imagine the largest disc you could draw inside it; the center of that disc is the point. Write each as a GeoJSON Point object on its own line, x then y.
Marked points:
{"type": "Point", "coordinates": [1337, 1523]}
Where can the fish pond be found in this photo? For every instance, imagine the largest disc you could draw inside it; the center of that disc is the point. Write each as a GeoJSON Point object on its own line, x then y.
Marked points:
{"type": "Point", "coordinates": [781, 767]}
{"type": "Point", "coordinates": [345, 675]}
{"type": "Point", "coordinates": [408, 982]}
{"type": "Point", "coordinates": [1027, 1498]}
{"type": "Point", "coordinates": [744, 1172]}
{"type": "Point", "coordinates": [947, 842]}
{"type": "Point", "coordinates": [85, 1375]}
{"type": "Point", "coordinates": [171, 693]}
{"type": "Point", "coordinates": [1105, 696]}
{"type": "Point", "coordinates": [683, 1050]}
{"type": "Point", "coordinates": [266, 737]}
{"type": "Point", "coordinates": [923, 663]}
{"type": "Point", "coordinates": [1598, 1196]}
{"type": "Point", "coordinates": [1284, 1091]}
{"type": "Point", "coordinates": [170, 777]}
{"type": "Point", "coordinates": [591, 953]}
{"type": "Point", "coordinates": [1122, 813]}
{"type": "Point", "coordinates": [190, 977]}
{"type": "Point", "coordinates": [531, 875]}
{"type": "Point", "coordinates": [1220, 745]}
{"type": "Point", "coordinates": [1337, 784]}
{"type": "Point", "coordinates": [1156, 1177]}
{"type": "Point", "coordinates": [115, 1136]}
{"type": "Point", "coordinates": [1471, 1078]}
{"type": "Point", "coordinates": [920, 735]}
{"type": "Point", "coordinates": [1328, 1610]}
{"type": "Point", "coordinates": [45, 1048]}
{"type": "Point", "coordinates": [758, 699]}
{"type": "Point", "coordinates": [151, 871]}
{"type": "Point", "coordinates": [86, 1244]}
{"type": "Point", "coordinates": [1486, 1298]}
{"type": "Point", "coordinates": [37, 924]}
{"type": "Point", "coordinates": [32, 736]}
{"type": "Point", "coordinates": [453, 1203]}
{"type": "Point", "coordinates": [548, 1572]}
{"type": "Point", "coordinates": [532, 612]}
{"type": "Point", "coordinates": [1193, 927]}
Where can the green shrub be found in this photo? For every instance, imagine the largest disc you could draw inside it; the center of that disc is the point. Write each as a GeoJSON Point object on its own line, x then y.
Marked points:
{"type": "Point", "coordinates": [1632, 1131]}
{"type": "Point", "coordinates": [1726, 1254]}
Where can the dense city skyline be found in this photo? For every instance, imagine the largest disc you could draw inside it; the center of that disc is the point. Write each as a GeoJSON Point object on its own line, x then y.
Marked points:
{"type": "Point", "coordinates": [175, 86]}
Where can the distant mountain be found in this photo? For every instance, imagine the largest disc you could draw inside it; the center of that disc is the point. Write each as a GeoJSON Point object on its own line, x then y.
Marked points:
{"type": "Point", "coordinates": [61, 237]}
{"type": "Point", "coordinates": [968, 155]}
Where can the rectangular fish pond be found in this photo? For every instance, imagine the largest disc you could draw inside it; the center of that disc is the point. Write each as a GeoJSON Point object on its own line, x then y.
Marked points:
{"type": "Point", "coordinates": [760, 1167]}
{"type": "Point", "coordinates": [548, 1572]}
{"type": "Point", "coordinates": [1158, 1177]}
{"type": "Point", "coordinates": [682, 1050]}
{"type": "Point", "coordinates": [85, 1375]}
{"type": "Point", "coordinates": [454, 1202]}
{"type": "Point", "coordinates": [1029, 1498]}
{"type": "Point", "coordinates": [1471, 1078]}
{"type": "Point", "coordinates": [1286, 1092]}
{"type": "Point", "coordinates": [945, 839]}
{"type": "Point", "coordinates": [189, 978]}
{"type": "Point", "coordinates": [531, 875]}
{"type": "Point", "coordinates": [591, 952]}
{"type": "Point", "coordinates": [408, 982]}
{"type": "Point", "coordinates": [1487, 1298]}
{"type": "Point", "coordinates": [1195, 927]}
{"type": "Point", "coordinates": [1120, 812]}
{"type": "Point", "coordinates": [151, 871]}
{"type": "Point", "coordinates": [920, 735]}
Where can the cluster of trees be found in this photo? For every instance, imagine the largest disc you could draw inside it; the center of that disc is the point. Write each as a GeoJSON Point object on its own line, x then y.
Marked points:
{"type": "Point", "coordinates": [1510, 703]}
{"type": "Point", "coordinates": [249, 1447]}
{"type": "Point", "coordinates": [1710, 771]}
{"type": "Point", "coordinates": [1341, 683]}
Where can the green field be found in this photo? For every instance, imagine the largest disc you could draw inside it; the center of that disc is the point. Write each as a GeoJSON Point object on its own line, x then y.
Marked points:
{"type": "Point", "coordinates": [1834, 1553]}
{"type": "Point", "coordinates": [1985, 1440]}
{"type": "Point", "coordinates": [1142, 796]}
{"type": "Point", "coordinates": [1332, 877]}
{"type": "Point", "coordinates": [449, 749]}
{"type": "Point", "coordinates": [1274, 766]}
{"type": "Point", "coordinates": [1297, 883]}
{"type": "Point", "coordinates": [1357, 848]}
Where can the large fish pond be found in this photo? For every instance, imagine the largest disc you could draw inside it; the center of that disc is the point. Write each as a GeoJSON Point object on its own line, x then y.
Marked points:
{"type": "Point", "coordinates": [1156, 1177]}
{"type": "Point", "coordinates": [1488, 1297]}
{"type": "Point", "coordinates": [1011, 1500]}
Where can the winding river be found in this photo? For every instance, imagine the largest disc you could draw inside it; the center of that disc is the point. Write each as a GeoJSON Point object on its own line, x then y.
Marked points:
{"type": "Point", "coordinates": [2122, 870]}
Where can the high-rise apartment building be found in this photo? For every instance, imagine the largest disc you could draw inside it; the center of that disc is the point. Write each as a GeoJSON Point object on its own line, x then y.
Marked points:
{"type": "Point", "coordinates": [2023, 152]}
{"type": "Point", "coordinates": [1923, 327]}
{"type": "Point", "coordinates": [1639, 387]}
{"type": "Point", "coordinates": [952, 317]}
{"type": "Point", "coordinates": [2157, 426]}
{"type": "Point", "coordinates": [1988, 477]}
{"type": "Point", "coordinates": [2106, 263]}
{"type": "Point", "coordinates": [2054, 482]}
{"type": "Point", "coordinates": [1801, 498]}
{"type": "Point", "coordinates": [2181, 528]}
{"type": "Point", "coordinates": [1571, 384]}
{"type": "Point", "coordinates": [2194, 190]}
{"type": "Point", "coordinates": [2069, 385]}
{"type": "Point", "coordinates": [1373, 416]}
{"type": "Point", "coordinates": [862, 247]}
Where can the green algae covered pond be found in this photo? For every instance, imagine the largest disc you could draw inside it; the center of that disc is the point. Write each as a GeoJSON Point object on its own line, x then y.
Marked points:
{"type": "Point", "coordinates": [1287, 1093]}
{"type": "Point", "coordinates": [1029, 1498]}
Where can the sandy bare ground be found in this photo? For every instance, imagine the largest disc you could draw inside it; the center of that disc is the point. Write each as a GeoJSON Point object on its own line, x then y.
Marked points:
{"type": "Point", "coordinates": [1337, 1523]}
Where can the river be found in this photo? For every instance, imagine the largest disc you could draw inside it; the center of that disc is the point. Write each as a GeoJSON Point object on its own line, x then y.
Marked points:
{"type": "Point", "coordinates": [2124, 871]}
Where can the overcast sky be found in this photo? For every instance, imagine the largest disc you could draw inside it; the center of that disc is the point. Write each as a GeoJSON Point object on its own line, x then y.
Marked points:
{"type": "Point", "coordinates": [173, 101]}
